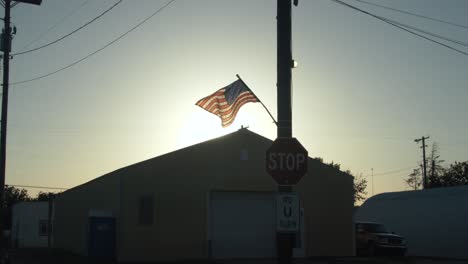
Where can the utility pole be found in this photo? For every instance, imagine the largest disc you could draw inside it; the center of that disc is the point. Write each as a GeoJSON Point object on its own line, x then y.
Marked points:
{"type": "Point", "coordinates": [285, 241]}
{"type": "Point", "coordinates": [5, 46]}
{"type": "Point", "coordinates": [423, 139]}
{"type": "Point", "coordinates": [372, 173]}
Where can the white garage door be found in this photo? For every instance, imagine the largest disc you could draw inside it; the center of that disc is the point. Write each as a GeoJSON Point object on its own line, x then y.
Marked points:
{"type": "Point", "coordinates": [242, 225]}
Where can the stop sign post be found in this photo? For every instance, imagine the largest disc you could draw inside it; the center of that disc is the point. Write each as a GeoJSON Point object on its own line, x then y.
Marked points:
{"type": "Point", "coordinates": [286, 161]}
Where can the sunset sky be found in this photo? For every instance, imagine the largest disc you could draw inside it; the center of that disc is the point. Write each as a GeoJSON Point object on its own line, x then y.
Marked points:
{"type": "Point", "coordinates": [363, 91]}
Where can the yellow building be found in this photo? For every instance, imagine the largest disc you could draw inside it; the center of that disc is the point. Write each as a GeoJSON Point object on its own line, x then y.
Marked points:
{"type": "Point", "coordinates": [210, 200]}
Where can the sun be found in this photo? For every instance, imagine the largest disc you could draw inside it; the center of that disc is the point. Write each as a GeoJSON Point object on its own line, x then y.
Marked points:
{"type": "Point", "coordinates": [203, 126]}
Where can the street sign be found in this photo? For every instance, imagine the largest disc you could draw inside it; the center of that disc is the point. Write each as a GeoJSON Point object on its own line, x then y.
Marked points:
{"type": "Point", "coordinates": [287, 212]}
{"type": "Point", "coordinates": [286, 161]}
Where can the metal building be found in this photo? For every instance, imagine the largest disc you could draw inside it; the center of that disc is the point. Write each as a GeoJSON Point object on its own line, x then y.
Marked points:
{"type": "Point", "coordinates": [433, 221]}
{"type": "Point", "coordinates": [210, 200]}
{"type": "Point", "coordinates": [30, 224]}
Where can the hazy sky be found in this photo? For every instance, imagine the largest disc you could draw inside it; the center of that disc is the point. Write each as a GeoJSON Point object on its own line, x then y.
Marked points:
{"type": "Point", "coordinates": [363, 91]}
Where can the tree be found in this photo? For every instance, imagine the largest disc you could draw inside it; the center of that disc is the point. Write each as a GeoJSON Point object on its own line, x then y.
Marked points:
{"type": "Point", "coordinates": [456, 174]}
{"type": "Point", "coordinates": [43, 196]}
{"type": "Point", "coordinates": [360, 185]}
{"type": "Point", "coordinates": [414, 179]}
{"type": "Point", "coordinates": [436, 168]}
{"type": "Point", "coordinates": [12, 195]}
{"type": "Point", "coordinates": [335, 165]}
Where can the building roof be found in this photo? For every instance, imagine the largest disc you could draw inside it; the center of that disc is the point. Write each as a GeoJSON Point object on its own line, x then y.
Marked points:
{"type": "Point", "coordinates": [242, 136]}
{"type": "Point", "coordinates": [421, 194]}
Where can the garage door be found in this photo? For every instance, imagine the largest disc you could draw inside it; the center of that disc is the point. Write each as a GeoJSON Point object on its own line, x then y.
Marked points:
{"type": "Point", "coordinates": [242, 225]}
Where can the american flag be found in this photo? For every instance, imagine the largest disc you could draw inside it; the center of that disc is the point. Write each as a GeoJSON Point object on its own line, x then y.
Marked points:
{"type": "Point", "coordinates": [227, 101]}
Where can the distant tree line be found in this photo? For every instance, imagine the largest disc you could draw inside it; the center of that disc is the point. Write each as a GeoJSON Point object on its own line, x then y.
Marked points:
{"type": "Point", "coordinates": [437, 174]}
{"type": "Point", "coordinates": [14, 195]}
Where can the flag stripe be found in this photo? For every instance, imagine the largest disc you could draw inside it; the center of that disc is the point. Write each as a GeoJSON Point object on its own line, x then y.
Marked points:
{"type": "Point", "coordinates": [229, 121]}
{"type": "Point", "coordinates": [218, 104]}
{"type": "Point", "coordinates": [234, 111]}
{"type": "Point", "coordinates": [203, 102]}
{"type": "Point", "coordinates": [228, 111]}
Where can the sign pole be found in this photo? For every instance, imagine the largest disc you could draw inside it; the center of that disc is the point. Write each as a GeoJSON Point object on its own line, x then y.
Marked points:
{"type": "Point", "coordinates": [284, 125]}
{"type": "Point", "coordinates": [284, 63]}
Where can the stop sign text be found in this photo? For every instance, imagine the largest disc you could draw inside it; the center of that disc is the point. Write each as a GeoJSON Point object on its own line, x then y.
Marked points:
{"type": "Point", "coordinates": [286, 161]}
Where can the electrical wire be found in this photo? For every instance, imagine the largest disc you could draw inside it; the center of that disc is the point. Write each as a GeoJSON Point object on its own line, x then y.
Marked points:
{"type": "Point", "coordinates": [400, 27]}
{"type": "Point", "coordinates": [418, 29]}
{"type": "Point", "coordinates": [36, 187]}
{"type": "Point", "coordinates": [413, 14]}
{"type": "Point", "coordinates": [100, 49]}
{"type": "Point", "coordinates": [72, 13]}
{"type": "Point", "coordinates": [429, 33]}
{"type": "Point", "coordinates": [392, 171]}
{"type": "Point", "coordinates": [71, 33]}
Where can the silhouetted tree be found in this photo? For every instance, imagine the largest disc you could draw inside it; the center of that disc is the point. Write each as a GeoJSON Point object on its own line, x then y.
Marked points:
{"type": "Point", "coordinates": [434, 172]}
{"type": "Point", "coordinates": [415, 178]}
{"type": "Point", "coordinates": [43, 196]}
{"type": "Point", "coordinates": [335, 165]}
{"type": "Point", "coordinates": [360, 185]}
{"type": "Point", "coordinates": [435, 169]}
{"type": "Point", "coordinates": [12, 195]}
{"type": "Point", "coordinates": [438, 176]}
{"type": "Point", "coordinates": [455, 174]}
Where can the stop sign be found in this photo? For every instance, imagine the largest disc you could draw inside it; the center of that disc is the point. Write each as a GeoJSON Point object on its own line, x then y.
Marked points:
{"type": "Point", "coordinates": [286, 161]}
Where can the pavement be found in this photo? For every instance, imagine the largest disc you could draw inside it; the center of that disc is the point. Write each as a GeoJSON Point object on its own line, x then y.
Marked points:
{"type": "Point", "coordinates": [47, 256]}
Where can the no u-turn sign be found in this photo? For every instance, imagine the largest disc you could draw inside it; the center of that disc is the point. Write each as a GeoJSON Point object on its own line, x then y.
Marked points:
{"type": "Point", "coordinates": [287, 212]}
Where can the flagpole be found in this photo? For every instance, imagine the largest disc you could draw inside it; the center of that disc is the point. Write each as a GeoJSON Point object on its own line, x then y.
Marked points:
{"type": "Point", "coordinates": [274, 121]}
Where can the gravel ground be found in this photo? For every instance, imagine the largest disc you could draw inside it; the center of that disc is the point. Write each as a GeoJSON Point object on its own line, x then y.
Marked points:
{"type": "Point", "coordinates": [45, 256]}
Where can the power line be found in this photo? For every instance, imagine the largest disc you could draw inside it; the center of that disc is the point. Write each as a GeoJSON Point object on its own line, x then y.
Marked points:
{"type": "Point", "coordinates": [100, 49]}
{"type": "Point", "coordinates": [429, 33]}
{"type": "Point", "coordinates": [388, 21]}
{"type": "Point", "coordinates": [413, 14]}
{"type": "Point", "coordinates": [36, 187]}
{"type": "Point", "coordinates": [71, 33]}
{"type": "Point", "coordinates": [73, 12]}
{"type": "Point", "coordinates": [393, 171]}
{"type": "Point", "coordinates": [423, 31]}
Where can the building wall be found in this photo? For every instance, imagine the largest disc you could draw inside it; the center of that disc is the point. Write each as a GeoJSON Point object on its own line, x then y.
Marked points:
{"type": "Point", "coordinates": [181, 191]}
{"type": "Point", "coordinates": [73, 207]}
{"type": "Point", "coordinates": [180, 184]}
{"type": "Point", "coordinates": [25, 224]}
{"type": "Point", "coordinates": [328, 210]}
